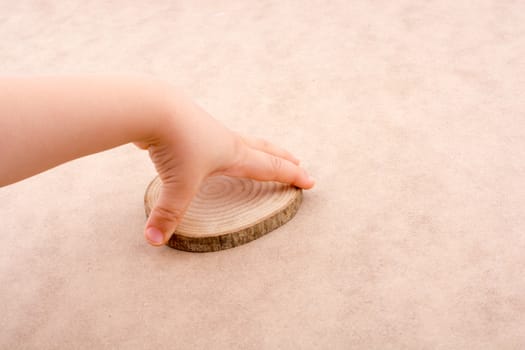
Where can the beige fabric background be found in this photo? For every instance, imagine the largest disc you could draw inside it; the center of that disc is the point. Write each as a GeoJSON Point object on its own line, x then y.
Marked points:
{"type": "Point", "coordinates": [410, 114]}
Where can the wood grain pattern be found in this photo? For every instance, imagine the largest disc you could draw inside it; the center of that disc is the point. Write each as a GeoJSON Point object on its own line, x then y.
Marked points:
{"type": "Point", "coordinates": [228, 212]}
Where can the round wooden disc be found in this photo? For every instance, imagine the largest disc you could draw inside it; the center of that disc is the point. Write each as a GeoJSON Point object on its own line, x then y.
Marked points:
{"type": "Point", "coordinates": [228, 212]}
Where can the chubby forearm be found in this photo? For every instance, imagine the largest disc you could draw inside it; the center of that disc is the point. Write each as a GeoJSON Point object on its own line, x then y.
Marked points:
{"type": "Point", "coordinates": [46, 121]}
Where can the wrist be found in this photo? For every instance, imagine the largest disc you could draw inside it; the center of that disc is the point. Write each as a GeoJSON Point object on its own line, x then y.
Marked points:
{"type": "Point", "coordinates": [158, 101]}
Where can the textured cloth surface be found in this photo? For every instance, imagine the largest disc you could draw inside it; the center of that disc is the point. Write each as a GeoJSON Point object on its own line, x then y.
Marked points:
{"type": "Point", "coordinates": [409, 114]}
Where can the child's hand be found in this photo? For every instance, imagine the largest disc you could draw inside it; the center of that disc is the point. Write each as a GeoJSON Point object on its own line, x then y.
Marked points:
{"type": "Point", "coordinates": [192, 146]}
{"type": "Point", "coordinates": [70, 117]}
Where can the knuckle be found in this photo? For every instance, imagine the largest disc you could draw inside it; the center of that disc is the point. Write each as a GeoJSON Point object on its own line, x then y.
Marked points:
{"type": "Point", "coordinates": [169, 214]}
{"type": "Point", "coordinates": [239, 153]}
{"type": "Point", "coordinates": [239, 144]}
{"type": "Point", "coordinates": [277, 163]}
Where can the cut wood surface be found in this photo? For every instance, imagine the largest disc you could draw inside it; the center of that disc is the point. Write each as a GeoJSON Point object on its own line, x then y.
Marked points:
{"type": "Point", "coordinates": [228, 212]}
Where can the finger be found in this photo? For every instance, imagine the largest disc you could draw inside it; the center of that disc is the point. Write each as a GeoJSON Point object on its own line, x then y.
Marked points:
{"type": "Point", "coordinates": [265, 146]}
{"type": "Point", "coordinates": [174, 198]}
{"type": "Point", "coordinates": [262, 166]}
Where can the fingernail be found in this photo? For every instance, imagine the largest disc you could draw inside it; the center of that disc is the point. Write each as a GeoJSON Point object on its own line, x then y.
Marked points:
{"type": "Point", "coordinates": [308, 176]}
{"type": "Point", "coordinates": [154, 235]}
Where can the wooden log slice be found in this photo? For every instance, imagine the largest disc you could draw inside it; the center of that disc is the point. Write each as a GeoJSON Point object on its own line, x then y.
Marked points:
{"type": "Point", "coordinates": [228, 212]}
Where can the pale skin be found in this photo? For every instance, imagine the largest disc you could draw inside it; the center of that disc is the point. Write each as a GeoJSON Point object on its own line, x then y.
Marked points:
{"type": "Point", "coordinates": [47, 121]}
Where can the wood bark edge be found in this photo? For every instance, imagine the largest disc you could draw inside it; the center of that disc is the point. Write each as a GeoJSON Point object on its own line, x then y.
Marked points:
{"type": "Point", "coordinates": [235, 238]}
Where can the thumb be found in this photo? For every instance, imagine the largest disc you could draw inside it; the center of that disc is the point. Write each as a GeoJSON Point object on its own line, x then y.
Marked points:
{"type": "Point", "coordinates": [174, 199]}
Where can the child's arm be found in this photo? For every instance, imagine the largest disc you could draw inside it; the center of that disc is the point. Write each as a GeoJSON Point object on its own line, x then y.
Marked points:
{"type": "Point", "coordinates": [47, 121]}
